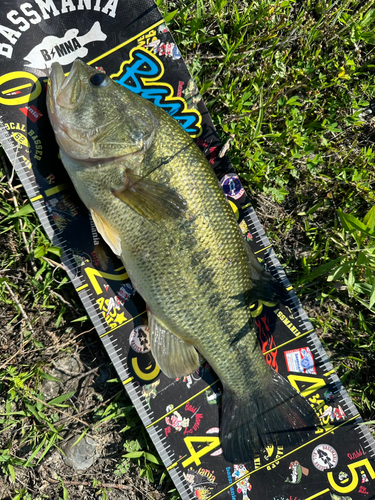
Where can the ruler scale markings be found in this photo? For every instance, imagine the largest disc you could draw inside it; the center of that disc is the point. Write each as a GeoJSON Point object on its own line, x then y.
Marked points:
{"type": "Point", "coordinates": [12, 156]}
{"type": "Point", "coordinates": [119, 361]}
{"type": "Point", "coordinates": [121, 356]}
{"type": "Point", "coordinates": [122, 373]}
{"type": "Point", "coordinates": [90, 306]}
{"type": "Point", "coordinates": [22, 174]}
{"type": "Point", "coordinates": [107, 342]}
{"type": "Point", "coordinates": [257, 226]}
{"type": "Point", "coordinates": [111, 350]}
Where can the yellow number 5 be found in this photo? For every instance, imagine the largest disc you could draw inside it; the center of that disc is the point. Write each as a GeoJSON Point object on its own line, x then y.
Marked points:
{"type": "Point", "coordinates": [354, 483]}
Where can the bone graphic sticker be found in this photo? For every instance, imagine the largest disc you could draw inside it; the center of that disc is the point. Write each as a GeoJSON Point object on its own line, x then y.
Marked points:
{"type": "Point", "coordinates": [65, 49]}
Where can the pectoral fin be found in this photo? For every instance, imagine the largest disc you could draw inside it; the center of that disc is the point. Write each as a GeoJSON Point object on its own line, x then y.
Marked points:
{"type": "Point", "coordinates": [175, 357]}
{"type": "Point", "coordinates": [150, 199]}
{"type": "Point", "coordinates": [110, 236]}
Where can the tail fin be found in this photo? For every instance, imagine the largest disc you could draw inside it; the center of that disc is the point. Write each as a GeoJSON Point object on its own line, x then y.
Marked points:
{"type": "Point", "coordinates": [275, 416]}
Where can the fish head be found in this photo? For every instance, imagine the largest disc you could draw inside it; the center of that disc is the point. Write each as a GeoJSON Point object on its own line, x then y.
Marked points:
{"type": "Point", "coordinates": [96, 119]}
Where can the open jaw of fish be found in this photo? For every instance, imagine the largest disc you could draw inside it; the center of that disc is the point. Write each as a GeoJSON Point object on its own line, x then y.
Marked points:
{"type": "Point", "coordinates": [68, 93]}
{"type": "Point", "coordinates": [157, 203]}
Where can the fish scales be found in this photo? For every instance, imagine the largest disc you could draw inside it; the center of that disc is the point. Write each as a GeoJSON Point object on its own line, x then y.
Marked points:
{"type": "Point", "coordinates": [174, 290]}
{"type": "Point", "coordinates": [158, 204]}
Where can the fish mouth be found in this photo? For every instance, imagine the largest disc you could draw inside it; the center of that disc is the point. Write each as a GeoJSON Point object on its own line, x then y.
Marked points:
{"type": "Point", "coordinates": [67, 92]}
{"type": "Point", "coordinates": [64, 94]}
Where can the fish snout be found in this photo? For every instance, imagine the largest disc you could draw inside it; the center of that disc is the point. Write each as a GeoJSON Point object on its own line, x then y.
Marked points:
{"type": "Point", "coordinates": [63, 95]}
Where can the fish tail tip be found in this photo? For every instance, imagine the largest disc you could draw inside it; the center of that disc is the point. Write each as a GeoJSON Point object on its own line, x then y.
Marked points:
{"type": "Point", "coordinates": [277, 416]}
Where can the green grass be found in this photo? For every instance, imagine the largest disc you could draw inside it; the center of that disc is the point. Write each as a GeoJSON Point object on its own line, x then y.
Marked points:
{"type": "Point", "coordinates": [288, 82]}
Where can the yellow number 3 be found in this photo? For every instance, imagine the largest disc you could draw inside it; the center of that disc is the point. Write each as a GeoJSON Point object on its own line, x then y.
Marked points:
{"type": "Point", "coordinates": [354, 483]}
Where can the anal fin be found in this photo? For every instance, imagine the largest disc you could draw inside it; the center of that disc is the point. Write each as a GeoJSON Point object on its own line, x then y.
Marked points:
{"type": "Point", "coordinates": [175, 357]}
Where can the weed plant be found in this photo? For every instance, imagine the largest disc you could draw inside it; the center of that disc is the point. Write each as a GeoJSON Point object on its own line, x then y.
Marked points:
{"type": "Point", "coordinates": [291, 84]}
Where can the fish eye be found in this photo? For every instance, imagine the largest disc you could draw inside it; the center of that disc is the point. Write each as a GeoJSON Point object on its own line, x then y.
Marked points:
{"type": "Point", "coordinates": [99, 80]}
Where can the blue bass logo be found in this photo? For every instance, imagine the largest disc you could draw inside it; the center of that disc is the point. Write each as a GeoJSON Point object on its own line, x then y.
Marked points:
{"type": "Point", "coordinates": [141, 75]}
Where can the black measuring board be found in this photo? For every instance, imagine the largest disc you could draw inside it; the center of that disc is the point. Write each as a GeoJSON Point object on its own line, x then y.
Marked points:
{"type": "Point", "coordinates": [130, 42]}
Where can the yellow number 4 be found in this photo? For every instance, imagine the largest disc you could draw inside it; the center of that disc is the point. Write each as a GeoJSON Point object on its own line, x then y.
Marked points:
{"type": "Point", "coordinates": [211, 442]}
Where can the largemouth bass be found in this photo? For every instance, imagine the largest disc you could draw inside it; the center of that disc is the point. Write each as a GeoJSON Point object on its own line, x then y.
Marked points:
{"type": "Point", "coordinates": [157, 203]}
